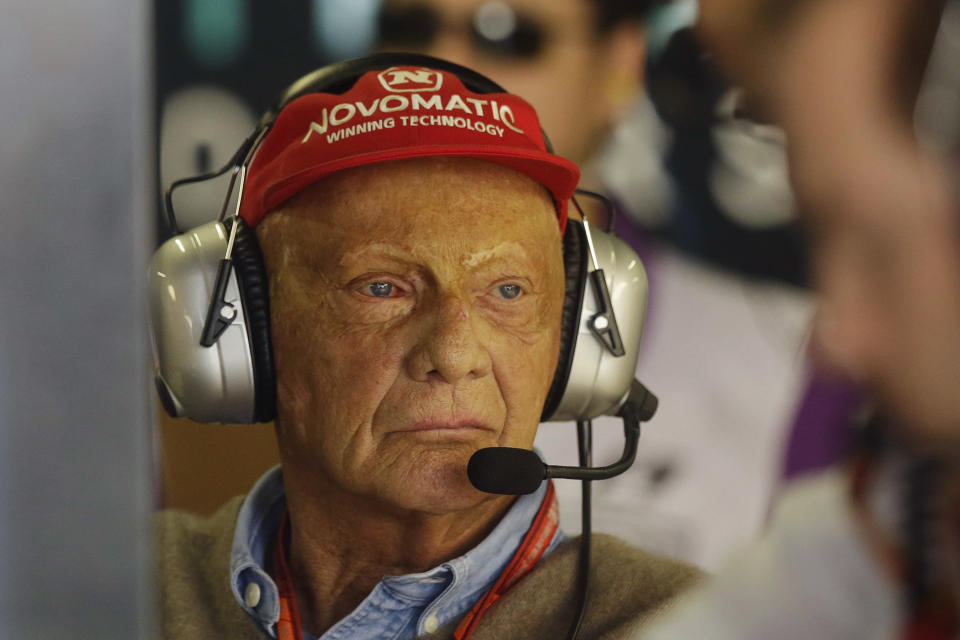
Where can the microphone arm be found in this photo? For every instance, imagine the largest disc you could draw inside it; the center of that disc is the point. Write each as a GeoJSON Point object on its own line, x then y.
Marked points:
{"type": "Point", "coordinates": [512, 471]}
{"type": "Point", "coordinates": [631, 434]}
{"type": "Point", "coordinates": [640, 406]}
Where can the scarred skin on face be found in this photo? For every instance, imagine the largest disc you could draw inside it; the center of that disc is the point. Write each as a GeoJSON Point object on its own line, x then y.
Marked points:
{"type": "Point", "coordinates": [415, 310]}
{"type": "Point", "coordinates": [389, 396]}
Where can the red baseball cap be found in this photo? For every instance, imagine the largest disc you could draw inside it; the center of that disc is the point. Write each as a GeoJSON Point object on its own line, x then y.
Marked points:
{"type": "Point", "coordinates": [400, 112]}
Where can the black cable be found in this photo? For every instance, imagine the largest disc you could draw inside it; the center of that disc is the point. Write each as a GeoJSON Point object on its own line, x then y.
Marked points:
{"type": "Point", "coordinates": [604, 200]}
{"type": "Point", "coordinates": [631, 434]}
{"type": "Point", "coordinates": [168, 195]}
{"type": "Point", "coordinates": [920, 507]}
{"type": "Point", "coordinates": [585, 450]}
{"type": "Point", "coordinates": [240, 157]}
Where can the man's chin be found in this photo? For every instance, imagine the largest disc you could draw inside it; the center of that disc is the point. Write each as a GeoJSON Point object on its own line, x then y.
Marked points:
{"type": "Point", "coordinates": [437, 483]}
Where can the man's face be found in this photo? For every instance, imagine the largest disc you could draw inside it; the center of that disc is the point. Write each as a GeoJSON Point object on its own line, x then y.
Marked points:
{"type": "Point", "coordinates": [415, 309]}
{"type": "Point", "coordinates": [564, 78]}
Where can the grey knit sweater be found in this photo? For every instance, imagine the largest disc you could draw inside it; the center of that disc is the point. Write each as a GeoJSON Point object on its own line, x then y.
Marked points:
{"type": "Point", "coordinates": [628, 586]}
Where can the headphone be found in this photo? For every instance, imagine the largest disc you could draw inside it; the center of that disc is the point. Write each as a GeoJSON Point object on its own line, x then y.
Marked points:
{"type": "Point", "coordinates": [210, 305]}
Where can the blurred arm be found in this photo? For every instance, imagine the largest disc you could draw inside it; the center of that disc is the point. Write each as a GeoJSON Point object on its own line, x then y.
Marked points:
{"type": "Point", "coordinates": [810, 576]}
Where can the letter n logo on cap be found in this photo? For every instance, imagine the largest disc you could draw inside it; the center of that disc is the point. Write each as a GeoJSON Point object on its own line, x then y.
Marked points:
{"type": "Point", "coordinates": [408, 80]}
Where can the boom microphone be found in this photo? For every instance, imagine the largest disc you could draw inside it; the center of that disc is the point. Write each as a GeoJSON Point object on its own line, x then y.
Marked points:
{"type": "Point", "coordinates": [511, 471]}
{"type": "Point", "coordinates": [506, 470]}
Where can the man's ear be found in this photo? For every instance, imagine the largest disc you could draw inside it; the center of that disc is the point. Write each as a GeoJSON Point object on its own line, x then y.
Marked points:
{"type": "Point", "coordinates": [625, 50]}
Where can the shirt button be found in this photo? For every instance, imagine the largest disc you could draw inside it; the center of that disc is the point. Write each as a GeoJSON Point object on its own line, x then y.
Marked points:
{"type": "Point", "coordinates": [251, 595]}
{"type": "Point", "coordinates": [430, 624]}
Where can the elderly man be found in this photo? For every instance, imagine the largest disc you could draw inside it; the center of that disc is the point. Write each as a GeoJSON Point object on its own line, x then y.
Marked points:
{"type": "Point", "coordinates": [416, 284]}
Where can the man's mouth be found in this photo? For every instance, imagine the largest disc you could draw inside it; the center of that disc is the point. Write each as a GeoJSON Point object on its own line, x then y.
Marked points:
{"type": "Point", "coordinates": [459, 426]}
{"type": "Point", "coordinates": [448, 425]}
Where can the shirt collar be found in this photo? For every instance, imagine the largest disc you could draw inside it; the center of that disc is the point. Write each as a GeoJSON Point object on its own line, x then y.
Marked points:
{"type": "Point", "coordinates": [443, 593]}
{"type": "Point", "coordinates": [475, 571]}
{"type": "Point", "coordinates": [257, 523]}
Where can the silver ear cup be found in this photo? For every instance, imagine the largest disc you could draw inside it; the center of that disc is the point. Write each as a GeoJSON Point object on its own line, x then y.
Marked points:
{"type": "Point", "coordinates": [599, 382]}
{"type": "Point", "coordinates": [206, 384]}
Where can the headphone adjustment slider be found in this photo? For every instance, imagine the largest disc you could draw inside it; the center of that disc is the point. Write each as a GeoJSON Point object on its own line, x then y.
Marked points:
{"type": "Point", "coordinates": [604, 322]}
{"type": "Point", "coordinates": [220, 313]}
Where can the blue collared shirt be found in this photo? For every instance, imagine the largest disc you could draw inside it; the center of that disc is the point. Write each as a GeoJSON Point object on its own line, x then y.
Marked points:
{"type": "Point", "coordinates": [399, 607]}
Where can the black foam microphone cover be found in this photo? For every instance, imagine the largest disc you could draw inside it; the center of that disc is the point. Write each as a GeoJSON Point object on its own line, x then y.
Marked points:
{"type": "Point", "coordinates": [506, 470]}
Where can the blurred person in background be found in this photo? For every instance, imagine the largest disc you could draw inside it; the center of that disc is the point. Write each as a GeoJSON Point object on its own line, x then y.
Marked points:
{"type": "Point", "coordinates": [723, 351]}
{"type": "Point", "coordinates": [869, 94]}
{"type": "Point", "coordinates": [579, 62]}
{"type": "Point", "coordinates": [885, 235]}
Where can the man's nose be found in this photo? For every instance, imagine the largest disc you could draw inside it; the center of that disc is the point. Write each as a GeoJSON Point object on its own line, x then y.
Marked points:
{"type": "Point", "coordinates": [448, 348]}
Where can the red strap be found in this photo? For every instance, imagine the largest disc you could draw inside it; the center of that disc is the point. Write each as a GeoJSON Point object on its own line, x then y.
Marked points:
{"type": "Point", "coordinates": [531, 549]}
{"type": "Point", "coordinates": [528, 554]}
{"type": "Point", "coordinates": [288, 626]}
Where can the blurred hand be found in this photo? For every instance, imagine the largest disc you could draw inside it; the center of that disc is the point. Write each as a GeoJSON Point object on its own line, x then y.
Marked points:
{"type": "Point", "coordinates": [880, 210]}
{"type": "Point", "coordinates": [785, 52]}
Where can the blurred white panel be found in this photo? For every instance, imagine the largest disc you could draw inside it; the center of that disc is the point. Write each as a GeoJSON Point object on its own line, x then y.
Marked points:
{"type": "Point", "coordinates": [750, 180]}
{"type": "Point", "coordinates": [631, 164]}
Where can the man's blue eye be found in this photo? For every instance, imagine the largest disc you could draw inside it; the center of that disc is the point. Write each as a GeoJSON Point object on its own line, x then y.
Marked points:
{"type": "Point", "coordinates": [380, 289]}
{"type": "Point", "coordinates": [510, 291]}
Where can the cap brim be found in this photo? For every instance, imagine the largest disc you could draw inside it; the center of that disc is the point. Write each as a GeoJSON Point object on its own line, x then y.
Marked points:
{"type": "Point", "coordinates": [557, 174]}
